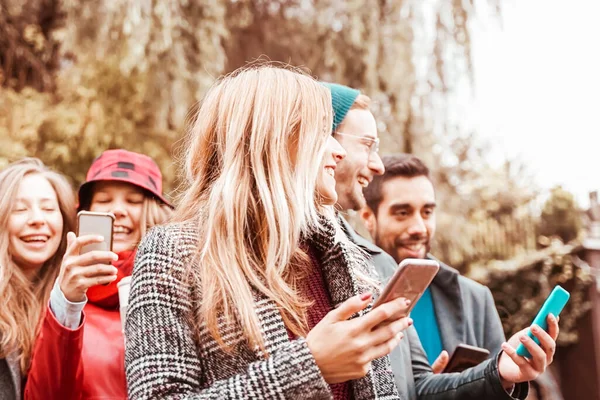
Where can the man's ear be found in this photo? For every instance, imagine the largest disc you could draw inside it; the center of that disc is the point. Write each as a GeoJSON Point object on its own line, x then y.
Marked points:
{"type": "Point", "coordinates": [368, 218]}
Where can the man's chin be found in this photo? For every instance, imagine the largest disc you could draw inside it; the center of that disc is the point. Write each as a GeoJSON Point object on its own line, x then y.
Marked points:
{"type": "Point", "coordinates": [358, 201]}
{"type": "Point", "coordinates": [404, 254]}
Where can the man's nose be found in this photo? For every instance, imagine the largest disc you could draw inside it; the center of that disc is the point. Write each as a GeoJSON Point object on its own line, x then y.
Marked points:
{"type": "Point", "coordinates": [417, 226]}
{"type": "Point", "coordinates": [338, 151]}
{"type": "Point", "coordinates": [375, 164]}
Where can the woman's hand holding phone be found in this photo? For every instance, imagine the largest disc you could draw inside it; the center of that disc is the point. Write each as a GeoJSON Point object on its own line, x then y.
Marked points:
{"type": "Point", "coordinates": [343, 349]}
{"type": "Point", "coordinates": [514, 368]}
{"type": "Point", "coordinates": [79, 272]}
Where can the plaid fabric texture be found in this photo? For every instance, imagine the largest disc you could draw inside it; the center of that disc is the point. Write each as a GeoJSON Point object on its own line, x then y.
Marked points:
{"type": "Point", "coordinates": [165, 359]}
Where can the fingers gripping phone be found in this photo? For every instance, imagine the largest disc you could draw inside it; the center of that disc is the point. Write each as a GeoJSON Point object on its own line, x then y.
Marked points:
{"type": "Point", "coordinates": [465, 357]}
{"type": "Point", "coordinates": [410, 280]}
{"type": "Point", "coordinates": [554, 304]}
{"type": "Point", "coordinates": [96, 223]}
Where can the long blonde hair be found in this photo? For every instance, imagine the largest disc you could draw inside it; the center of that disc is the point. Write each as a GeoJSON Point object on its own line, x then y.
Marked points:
{"type": "Point", "coordinates": [252, 161]}
{"type": "Point", "coordinates": [154, 212]}
{"type": "Point", "coordinates": [23, 300]}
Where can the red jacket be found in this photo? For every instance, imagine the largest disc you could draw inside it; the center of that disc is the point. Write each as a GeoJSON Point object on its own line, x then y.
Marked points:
{"type": "Point", "coordinates": [79, 364]}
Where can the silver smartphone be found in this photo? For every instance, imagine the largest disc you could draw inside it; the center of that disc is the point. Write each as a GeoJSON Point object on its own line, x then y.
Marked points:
{"type": "Point", "coordinates": [96, 223]}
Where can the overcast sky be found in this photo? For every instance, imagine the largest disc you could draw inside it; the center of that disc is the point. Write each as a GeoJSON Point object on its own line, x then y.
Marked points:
{"type": "Point", "coordinates": [538, 89]}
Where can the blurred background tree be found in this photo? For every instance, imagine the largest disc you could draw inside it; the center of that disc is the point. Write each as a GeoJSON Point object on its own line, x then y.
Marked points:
{"type": "Point", "coordinates": [81, 77]}
{"type": "Point", "coordinates": [560, 216]}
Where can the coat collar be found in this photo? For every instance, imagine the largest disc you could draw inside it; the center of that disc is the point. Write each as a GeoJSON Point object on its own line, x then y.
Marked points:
{"type": "Point", "coordinates": [447, 302]}
{"type": "Point", "coordinates": [341, 263]}
{"type": "Point", "coordinates": [354, 237]}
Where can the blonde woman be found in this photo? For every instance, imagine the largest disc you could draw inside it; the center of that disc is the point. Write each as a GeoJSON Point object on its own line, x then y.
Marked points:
{"type": "Point", "coordinates": [80, 352]}
{"type": "Point", "coordinates": [253, 292]}
{"type": "Point", "coordinates": [37, 209]}
{"type": "Point", "coordinates": [248, 293]}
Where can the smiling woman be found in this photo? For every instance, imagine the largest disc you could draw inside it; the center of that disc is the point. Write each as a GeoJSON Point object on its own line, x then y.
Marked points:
{"type": "Point", "coordinates": [128, 185]}
{"type": "Point", "coordinates": [35, 224]}
{"type": "Point", "coordinates": [36, 212]}
{"type": "Point", "coordinates": [125, 201]}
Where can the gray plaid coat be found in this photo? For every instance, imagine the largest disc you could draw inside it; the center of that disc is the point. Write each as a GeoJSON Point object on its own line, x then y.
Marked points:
{"type": "Point", "coordinates": [166, 360]}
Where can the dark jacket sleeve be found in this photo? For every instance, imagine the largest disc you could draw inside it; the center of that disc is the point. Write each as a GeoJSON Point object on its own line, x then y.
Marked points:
{"type": "Point", "coordinates": [56, 371]}
{"type": "Point", "coordinates": [480, 382]}
{"type": "Point", "coordinates": [161, 357]}
{"type": "Point", "coordinates": [494, 332]}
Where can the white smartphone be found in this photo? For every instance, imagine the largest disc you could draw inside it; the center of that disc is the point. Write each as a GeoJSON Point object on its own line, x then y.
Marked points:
{"type": "Point", "coordinates": [96, 223]}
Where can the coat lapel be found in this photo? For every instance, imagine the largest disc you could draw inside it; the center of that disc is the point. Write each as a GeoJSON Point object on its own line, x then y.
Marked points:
{"type": "Point", "coordinates": [355, 238]}
{"type": "Point", "coordinates": [447, 302]}
{"type": "Point", "coordinates": [342, 264]}
{"type": "Point", "coordinates": [12, 360]}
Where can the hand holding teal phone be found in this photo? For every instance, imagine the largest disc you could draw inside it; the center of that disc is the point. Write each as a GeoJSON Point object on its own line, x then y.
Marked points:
{"type": "Point", "coordinates": [554, 304]}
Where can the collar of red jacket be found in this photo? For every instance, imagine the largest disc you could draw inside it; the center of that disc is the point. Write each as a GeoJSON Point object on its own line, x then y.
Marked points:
{"type": "Point", "coordinates": [108, 296]}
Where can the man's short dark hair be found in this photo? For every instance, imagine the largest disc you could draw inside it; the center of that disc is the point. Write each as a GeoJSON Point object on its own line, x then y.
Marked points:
{"type": "Point", "coordinates": [403, 165]}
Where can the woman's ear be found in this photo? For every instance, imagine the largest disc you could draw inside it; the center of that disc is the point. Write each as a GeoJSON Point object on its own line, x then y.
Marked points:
{"type": "Point", "coordinates": [368, 218]}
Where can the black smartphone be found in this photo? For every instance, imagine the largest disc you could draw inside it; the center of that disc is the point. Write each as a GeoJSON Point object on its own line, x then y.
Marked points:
{"type": "Point", "coordinates": [465, 357]}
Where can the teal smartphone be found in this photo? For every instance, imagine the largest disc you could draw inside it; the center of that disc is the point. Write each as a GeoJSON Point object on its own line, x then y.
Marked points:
{"type": "Point", "coordinates": [554, 304]}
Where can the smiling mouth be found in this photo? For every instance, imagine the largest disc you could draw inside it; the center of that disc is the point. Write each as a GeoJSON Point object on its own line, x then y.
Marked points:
{"type": "Point", "coordinates": [121, 229]}
{"type": "Point", "coordinates": [414, 247]}
{"type": "Point", "coordinates": [35, 238]}
{"type": "Point", "coordinates": [364, 182]}
{"type": "Point", "coordinates": [330, 171]}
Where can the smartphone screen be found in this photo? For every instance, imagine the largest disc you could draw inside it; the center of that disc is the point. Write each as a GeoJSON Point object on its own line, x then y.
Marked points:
{"type": "Point", "coordinates": [95, 223]}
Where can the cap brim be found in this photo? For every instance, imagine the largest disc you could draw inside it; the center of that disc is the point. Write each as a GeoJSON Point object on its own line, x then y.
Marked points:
{"type": "Point", "coordinates": [84, 190]}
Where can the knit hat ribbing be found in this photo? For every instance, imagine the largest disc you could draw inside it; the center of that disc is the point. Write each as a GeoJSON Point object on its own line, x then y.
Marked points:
{"type": "Point", "coordinates": [342, 98]}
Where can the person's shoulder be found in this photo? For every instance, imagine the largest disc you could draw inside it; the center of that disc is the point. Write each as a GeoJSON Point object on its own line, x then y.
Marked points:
{"type": "Point", "coordinates": [180, 237]}
{"type": "Point", "coordinates": [474, 287]}
{"type": "Point", "coordinates": [467, 285]}
{"type": "Point", "coordinates": [168, 247]}
{"type": "Point", "coordinates": [477, 292]}
{"type": "Point", "coordinates": [384, 264]}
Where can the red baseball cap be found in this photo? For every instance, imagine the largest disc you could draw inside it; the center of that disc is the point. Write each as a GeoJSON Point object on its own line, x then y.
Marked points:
{"type": "Point", "coordinates": [123, 166]}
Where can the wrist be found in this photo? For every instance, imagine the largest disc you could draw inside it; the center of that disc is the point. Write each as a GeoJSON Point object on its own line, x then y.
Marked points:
{"type": "Point", "coordinates": [508, 386]}
{"type": "Point", "coordinates": [74, 299]}
{"type": "Point", "coordinates": [71, 297]}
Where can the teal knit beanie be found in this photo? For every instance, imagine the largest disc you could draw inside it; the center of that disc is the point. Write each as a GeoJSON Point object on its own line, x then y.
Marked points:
{"type": "Point", "coordinates": [342, 98]}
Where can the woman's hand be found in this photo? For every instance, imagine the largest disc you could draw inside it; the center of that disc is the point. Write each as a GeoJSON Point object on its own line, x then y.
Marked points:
{"type": "Point", "coordinates": [514, 368]}
{"type": "Point", "coordinates": [80, 272]}
{"type": "Point", "coordinates": [343, 349]}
